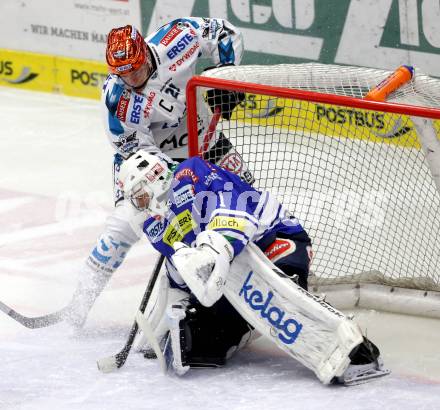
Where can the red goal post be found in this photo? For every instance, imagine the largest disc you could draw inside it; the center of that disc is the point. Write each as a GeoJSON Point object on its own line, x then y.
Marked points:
{"type": "Point", "coordinates": [334, 177]}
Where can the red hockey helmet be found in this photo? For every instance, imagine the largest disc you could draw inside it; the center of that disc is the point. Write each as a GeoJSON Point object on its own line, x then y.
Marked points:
{"type": "Point", "coordinates": [126, 50]}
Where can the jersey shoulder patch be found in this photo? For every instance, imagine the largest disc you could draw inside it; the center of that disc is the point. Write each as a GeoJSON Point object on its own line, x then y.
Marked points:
{"type": "Point", "coordinates": [168, 32]}
{"type": "Point", "coordinates": [117, 99]}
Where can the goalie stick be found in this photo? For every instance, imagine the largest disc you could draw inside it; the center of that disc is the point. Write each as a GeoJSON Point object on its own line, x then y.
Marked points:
{"type": "Point", "coordinates": [35, 322]}
{"type": "Point", "coordinates": [110, 363]}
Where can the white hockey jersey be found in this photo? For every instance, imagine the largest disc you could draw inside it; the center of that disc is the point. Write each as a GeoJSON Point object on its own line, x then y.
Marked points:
{"type": "Point", "coordinates": [156, 117]}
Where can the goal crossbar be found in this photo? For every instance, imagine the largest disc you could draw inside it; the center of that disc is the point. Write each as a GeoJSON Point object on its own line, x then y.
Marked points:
{"type": "Point", "coordinates": [261, 89]}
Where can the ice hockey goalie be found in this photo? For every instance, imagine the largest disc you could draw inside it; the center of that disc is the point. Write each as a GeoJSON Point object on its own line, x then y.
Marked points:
{"type": "Point", "coordinates": [237, 266]}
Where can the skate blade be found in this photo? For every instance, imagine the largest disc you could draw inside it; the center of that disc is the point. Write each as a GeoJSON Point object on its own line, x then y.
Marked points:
{"type": "Point", "coordinates": [365, 378]}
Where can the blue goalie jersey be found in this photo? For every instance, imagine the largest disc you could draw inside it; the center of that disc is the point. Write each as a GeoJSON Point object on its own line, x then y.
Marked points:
{"type": "Point", "coordinates": [205, 196]}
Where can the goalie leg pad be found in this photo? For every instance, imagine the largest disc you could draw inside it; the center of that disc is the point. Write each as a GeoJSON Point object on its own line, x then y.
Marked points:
{"type": "Point", "coordinates": [155, 312]}
{"type": "Point", "coordinates": [301, 324]}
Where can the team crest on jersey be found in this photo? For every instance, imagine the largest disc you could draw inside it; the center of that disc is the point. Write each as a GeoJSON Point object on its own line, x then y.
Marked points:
{"type": "Point", "coordinates": [127, 143]}
{"type": "Point", "coordinates": [232, 162]}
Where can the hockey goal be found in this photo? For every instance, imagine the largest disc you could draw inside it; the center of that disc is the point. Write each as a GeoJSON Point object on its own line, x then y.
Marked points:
{"type": "Point", "coordinates": [362, 176]}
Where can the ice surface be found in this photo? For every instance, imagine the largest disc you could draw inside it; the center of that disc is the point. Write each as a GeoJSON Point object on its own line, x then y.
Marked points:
{"type": "Point", "coordinates": [55, 191]}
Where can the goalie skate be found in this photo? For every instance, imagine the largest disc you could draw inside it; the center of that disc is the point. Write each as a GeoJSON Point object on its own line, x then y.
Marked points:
{"type": "Point", "coordinates": [366, 364]}
{"type": "Point", "coordinates": [358, 374]}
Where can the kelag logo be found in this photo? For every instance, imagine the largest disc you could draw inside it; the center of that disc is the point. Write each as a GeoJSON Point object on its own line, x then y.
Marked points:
{"type": "Point", "coordinates": [93, 79]}
{"type": "Point", "coordinates": [289, 328]}
{"type": "Point", "coordinates": [7, 69]}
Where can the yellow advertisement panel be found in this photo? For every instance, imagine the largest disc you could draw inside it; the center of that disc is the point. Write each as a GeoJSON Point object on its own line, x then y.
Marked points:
{"type": "Point", "coordinates": [41, 72]}
{"type": "Point", "coordinates": [329, 120]}
{"type": "Point", "coordinates": [28, 71]}
{"type": "Point", "coordinates": [80, 78]}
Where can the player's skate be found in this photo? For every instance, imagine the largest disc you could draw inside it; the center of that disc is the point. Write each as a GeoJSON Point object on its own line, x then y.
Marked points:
{"type": "Point", "coordinates": [366, 364]}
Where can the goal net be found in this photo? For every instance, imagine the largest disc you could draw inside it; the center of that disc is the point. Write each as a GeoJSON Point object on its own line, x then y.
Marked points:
{"type": "Point", "coordinates": [354, 172]}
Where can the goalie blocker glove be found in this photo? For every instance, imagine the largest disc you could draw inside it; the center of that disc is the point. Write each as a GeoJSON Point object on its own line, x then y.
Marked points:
{"type": "Point", "coordinates": [205, 267]}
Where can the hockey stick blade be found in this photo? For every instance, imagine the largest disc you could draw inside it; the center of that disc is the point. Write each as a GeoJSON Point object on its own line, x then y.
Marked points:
{"type": "Point", "coordinates": [110, 363]}
{"type": "Point", "coordinates": [34, 322]}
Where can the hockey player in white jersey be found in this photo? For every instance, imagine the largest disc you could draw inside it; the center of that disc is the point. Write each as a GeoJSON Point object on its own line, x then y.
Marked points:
{"type": "Point", "coordinates": [202, 218]}
{"type": "Point", "coordinates": [144, 107]}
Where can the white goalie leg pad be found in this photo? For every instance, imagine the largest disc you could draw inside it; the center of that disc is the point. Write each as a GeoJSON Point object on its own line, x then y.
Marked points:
{"type": "Point", "coordinates": [175, 313]}
{"type": "Point", "coordinates": [301, 324]}
{"type": "Point", "coordinates": [155, 312]}
{"type": "Point", "coordinates": [205, 267]}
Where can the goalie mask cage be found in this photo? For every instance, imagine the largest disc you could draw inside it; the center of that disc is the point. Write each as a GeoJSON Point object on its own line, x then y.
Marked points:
{"type": "Point", "coordinates": [361, 176]}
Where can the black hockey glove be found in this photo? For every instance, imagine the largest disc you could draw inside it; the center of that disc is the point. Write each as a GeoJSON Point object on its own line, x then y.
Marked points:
{"type": "Point", "coordinates": [226, 100]}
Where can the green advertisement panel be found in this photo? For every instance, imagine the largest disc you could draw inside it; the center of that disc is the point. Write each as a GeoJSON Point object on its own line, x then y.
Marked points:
{"type": "Point", "coordinates": [371, 33]}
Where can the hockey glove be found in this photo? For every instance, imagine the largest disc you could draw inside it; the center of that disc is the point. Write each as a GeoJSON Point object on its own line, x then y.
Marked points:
{"type": "Point", "coordinates": [226, 100]}
{"type": "Point", "coordinates": [205, 267]}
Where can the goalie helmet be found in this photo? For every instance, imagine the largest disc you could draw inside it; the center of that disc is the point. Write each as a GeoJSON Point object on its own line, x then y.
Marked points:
{"type": "Point", "coordinates": [127, 52]}
{"type": "Point", "coordinates": [146, 181]}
